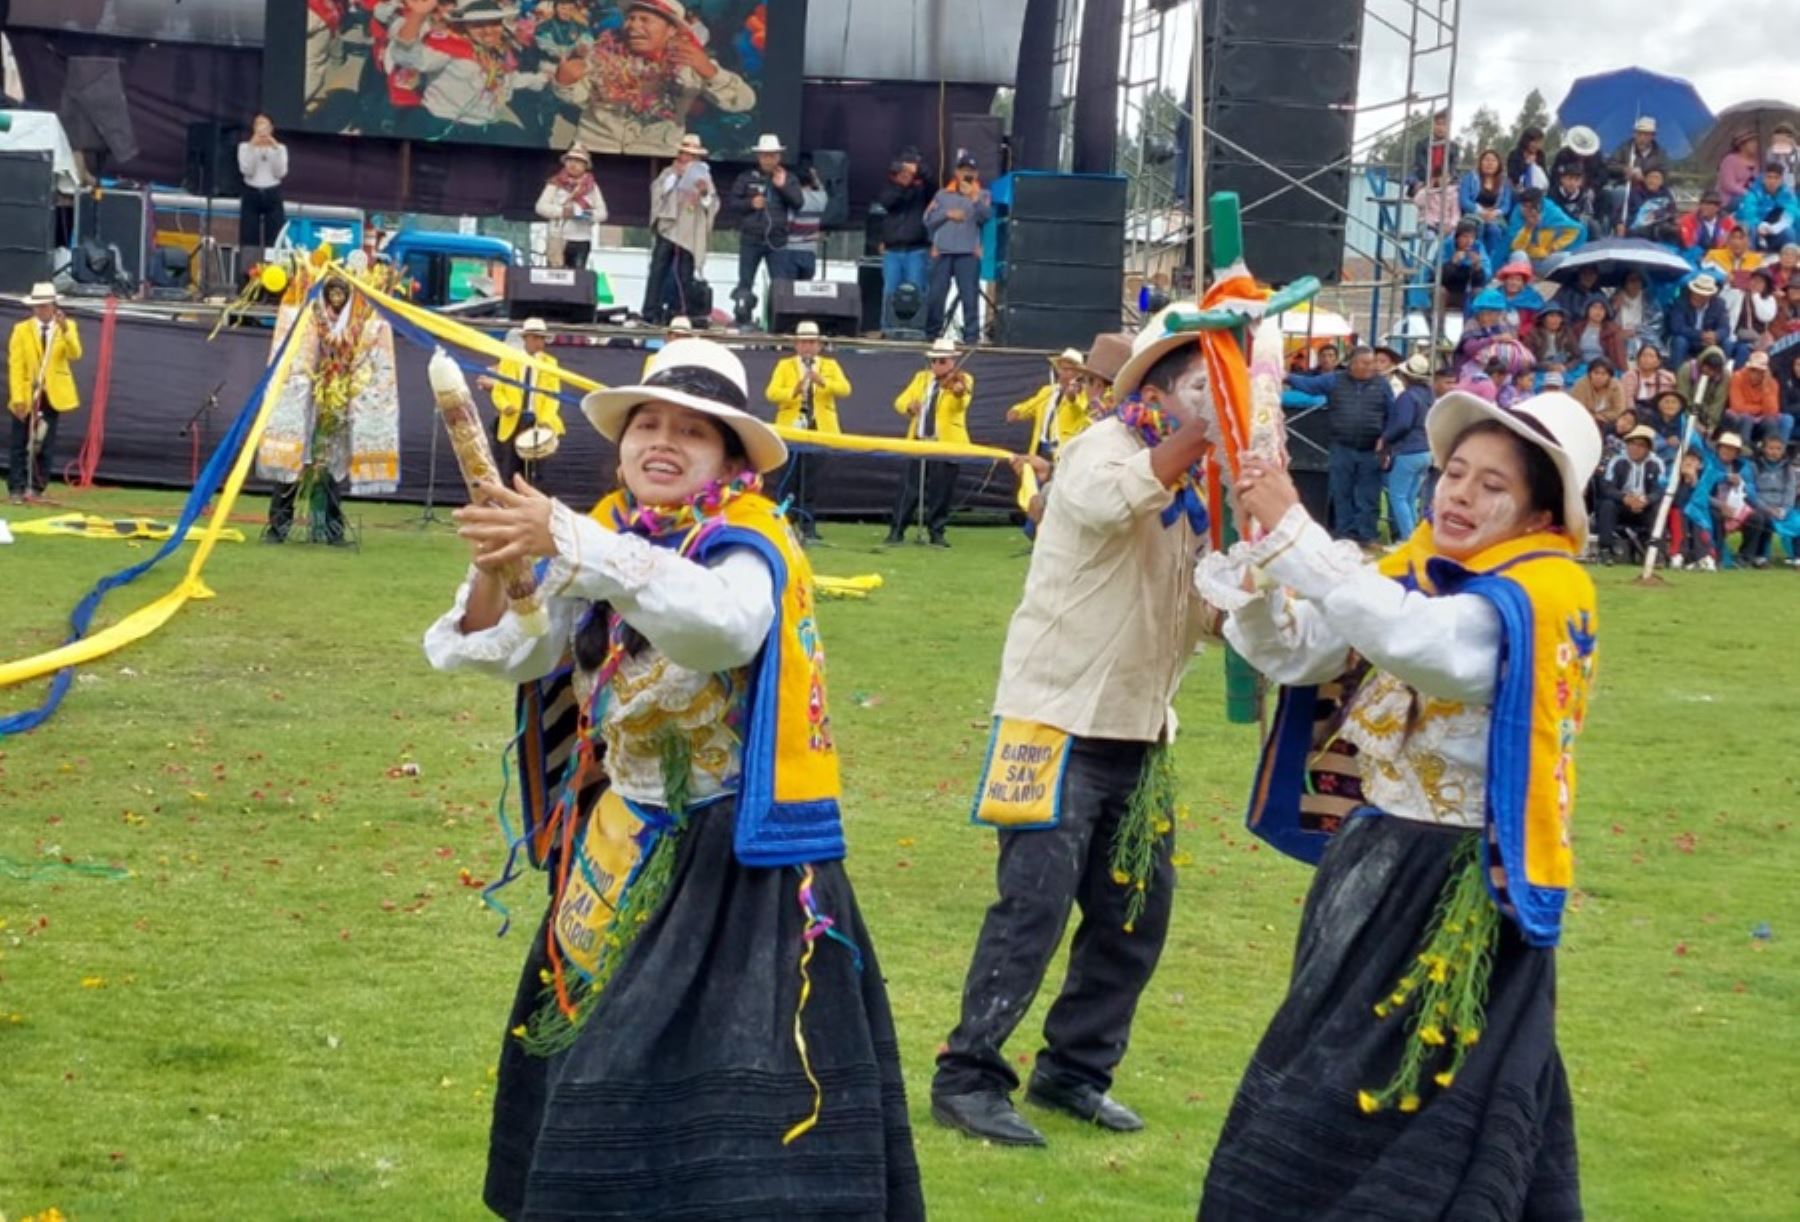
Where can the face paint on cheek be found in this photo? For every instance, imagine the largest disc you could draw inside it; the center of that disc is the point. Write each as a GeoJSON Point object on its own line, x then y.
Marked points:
{"type": "Point", "coordinates": [1496, 525]}
{"type": "Point", "coordinates": [1192, 400]}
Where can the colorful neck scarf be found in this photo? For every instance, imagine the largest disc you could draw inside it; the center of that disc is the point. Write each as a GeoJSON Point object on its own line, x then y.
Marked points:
{"type": "Point", "coordinates": [579, 186]}
{"type": "Point", "coordinates": [1153, 428]}
{"type": "Point", "coordinates": [695, 520]}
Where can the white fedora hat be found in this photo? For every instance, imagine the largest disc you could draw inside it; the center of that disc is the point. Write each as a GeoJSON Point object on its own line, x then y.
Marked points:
{"type": "Point", "coordinates": [1155, 340]}
{"type": "Point", "coordinates": [535, 326]}
{"type": "Point", "coordinates": [679, 325]}
{"type": "Point", "coordinates": [1069, 356]}
{"type": "Point", "coordinates": [1584, 140]}
{"type": "Point", "coordinates": [690, 144]}
{"type": "Point", "coordinates": [480, 10]}
{"type": "Point", "coordinates": [807, 330]}
{"type": "Point", "coordinates": [575, 152]}
{"type": "Point", "coordinates": [942, 348]}
{"type": "Point", "coordinates": [698, 374]}
{"type": "Point", "coordinates": [768, 142]}
{"type": "Point", "coordinates": [1554, 422]}
{"type": "Point", "coordinates": [42, 293]}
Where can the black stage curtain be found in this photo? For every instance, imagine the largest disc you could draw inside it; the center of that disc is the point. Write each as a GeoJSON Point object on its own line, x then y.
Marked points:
{"type": "Point", "coordinates": [164, 372]}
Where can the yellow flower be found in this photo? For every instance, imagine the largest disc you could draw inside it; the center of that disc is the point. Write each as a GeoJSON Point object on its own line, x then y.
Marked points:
{"type": "Point", "coordinates": [1470, 1036]}
{"type": "Point", "coordinates": [1120, 877]}
{"type": "Point", "coordinates": [544, 976]}
{"type": "Point", "coordinates": [1367, 1102]}
{"type": "Point", "coordinates": [1441, 1010]}
{"type": "Point", "coordinates": [1409, 983]}
{"type": "Point", "coordinates": [1397, 998]}
{"type": "Point", "coordinates": [1444, 1079]}
{"type": "Point", "coordinates": [1382, 1009]}
{"type": "Point", "coordinates": [1162, 827]}
{"type": "Point", "coordinates": [1431, 1034]}
{"type": "Point", "coordinates": [1440, 971]}
{"type": "Point", "coordinates": [1409, 1103]}
{"type": "Point", "coordinates": [1140, 884]}
{"type": "Point", "coordinates": [518, 1032]}
{"type": "Point", "coordinates": [93, 982]}
{"type": "Point", "coordinates": [1130, 926]}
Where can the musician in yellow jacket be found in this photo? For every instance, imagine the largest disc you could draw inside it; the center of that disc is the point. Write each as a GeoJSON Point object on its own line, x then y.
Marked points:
{"type": "Point", "coordinates": [40, 388]}
{"type": "Point", "coordinates": [805, 389]}
{"type": "Point", "coordinates": [513, 414]}
{"type": "Point", "coordinates": [937, 404]}
{"type": "Point", "coordinates": [1059, 410]}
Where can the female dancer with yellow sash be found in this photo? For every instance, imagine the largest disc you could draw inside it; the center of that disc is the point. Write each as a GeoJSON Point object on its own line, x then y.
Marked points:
{"type": "Point", "coordinates": [1422, 756]}
{"type": "Point", "coordinates": [702, 1030]}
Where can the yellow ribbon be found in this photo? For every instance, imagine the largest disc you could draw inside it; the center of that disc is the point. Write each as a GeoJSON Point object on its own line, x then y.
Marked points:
{"type": "Point", "coordinates": [147, 619]}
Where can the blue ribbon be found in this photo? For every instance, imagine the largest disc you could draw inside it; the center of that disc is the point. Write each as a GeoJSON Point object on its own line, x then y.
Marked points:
{"type": "Point", "coordinates": [211, 477]}
{"type": "Point", "coordinates": [1187, 501]}
{"type": "Point", "coordinates": [427, 341]}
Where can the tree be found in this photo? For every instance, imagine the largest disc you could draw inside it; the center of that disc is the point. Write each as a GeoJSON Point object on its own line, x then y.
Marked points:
{"type": "Point", "coordinates": [1396, 149]}
{"type": "Point", "coordinates": [1483, 132]}
{"type": "Point", "coordinates": [1534, 113]}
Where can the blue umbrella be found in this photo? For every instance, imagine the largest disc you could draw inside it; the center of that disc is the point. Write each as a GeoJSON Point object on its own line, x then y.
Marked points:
{"type": "Point", "coordinates": [1614, 259]}
{"type": "Point", "coordinates": [1612, 102]}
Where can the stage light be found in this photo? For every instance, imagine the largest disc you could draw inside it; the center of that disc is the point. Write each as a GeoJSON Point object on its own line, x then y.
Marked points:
{"type": "Point", "coordinates": [1151, 298]}
{"type": "Point", "coordinates": [906, 303]}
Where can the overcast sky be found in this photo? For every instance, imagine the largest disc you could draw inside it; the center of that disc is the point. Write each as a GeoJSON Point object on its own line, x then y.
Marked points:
{"type": "Point", "coordinates": [1507, 47]}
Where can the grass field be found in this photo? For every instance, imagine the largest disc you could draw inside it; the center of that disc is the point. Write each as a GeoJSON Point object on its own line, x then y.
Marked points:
{"type": "Point", "coordinates": [289, 1006]}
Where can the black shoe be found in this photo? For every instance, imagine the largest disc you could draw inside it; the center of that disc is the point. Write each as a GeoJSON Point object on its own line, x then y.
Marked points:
{"type": "Point", "coordinates": [893, 540]}
{"type": "Point", "coordinates": [939, 541]}
{"type": "Point", "coordinates": [274, 536]}
{"type": "Point", "coordinates": [985, 1114]}
{"type": "Point", "coordinates": [1084, 1103]}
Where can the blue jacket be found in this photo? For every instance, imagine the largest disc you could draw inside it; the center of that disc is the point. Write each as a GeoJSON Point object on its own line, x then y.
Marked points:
{"type": "Point", "coordinates": [1405, 431]}
{"type": "Point", "coordinates": [1471, 186]}
{"type": "Point", "coordinates": [1484, 267]}
{"type": "Point", "coordinates": [1359, 409]}
{"type": "Point", "coordinates": [1758, 204]}
{"type": "Point", "coordinates": [1687, 322]}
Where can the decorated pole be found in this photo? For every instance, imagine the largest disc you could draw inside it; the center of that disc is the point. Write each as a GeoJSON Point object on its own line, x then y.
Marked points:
{"type": "Point", "coordinates": [1243, 697]}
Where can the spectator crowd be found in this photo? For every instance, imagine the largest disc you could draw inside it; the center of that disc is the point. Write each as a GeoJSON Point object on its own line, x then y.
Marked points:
{"type": "Point", "coordinates": [1686, 350]}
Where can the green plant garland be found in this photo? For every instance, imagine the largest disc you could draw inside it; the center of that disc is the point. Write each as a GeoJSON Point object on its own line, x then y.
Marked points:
{"type": "Point", "coordinates": [1149, 819]}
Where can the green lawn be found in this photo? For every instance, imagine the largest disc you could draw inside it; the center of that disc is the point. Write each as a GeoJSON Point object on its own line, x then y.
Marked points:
{"type": "Point", "coordinates": [289, 1007]}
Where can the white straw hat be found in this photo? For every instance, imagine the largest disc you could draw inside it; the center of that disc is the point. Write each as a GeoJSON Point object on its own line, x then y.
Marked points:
{"type": "Point", "coordinates": [1584, 140]}
{"type": "Point", "coordinates": [1554, 422]}
{"type": "Point", "coordinates": [942, 348]}
{"type": "Point", "coordinates": [1155, 341]}
{"type": "Point", "coordinates": [535, 326]}
{"type": "Point", "coordinates": [768, 143]}
{"type": "Point", "coordinates": [698, 374]}
{"type": "Point", "coordinates": [807, 330]}
{"type": "Point", "coordinates": [42, 293]}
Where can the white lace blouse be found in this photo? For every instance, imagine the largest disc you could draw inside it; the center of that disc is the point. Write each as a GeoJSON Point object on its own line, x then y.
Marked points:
{"type": "Point", "coordinates": [1442, 652]}
{"type": "Point", "coordinates": [703, 621]}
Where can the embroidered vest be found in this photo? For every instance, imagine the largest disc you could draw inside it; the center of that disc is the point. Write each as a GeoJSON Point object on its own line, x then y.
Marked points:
{"type": "Point", "coordinates": [1548, 628]}
{"type": "Point", "coordinates": [787, 807]}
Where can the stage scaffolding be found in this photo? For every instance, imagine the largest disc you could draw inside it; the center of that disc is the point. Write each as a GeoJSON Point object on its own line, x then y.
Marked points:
{"type": "Point", "coordinates": [1408, 74]}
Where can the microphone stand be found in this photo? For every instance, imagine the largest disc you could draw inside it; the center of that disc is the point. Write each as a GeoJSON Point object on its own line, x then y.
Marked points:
{"type": "Point", "coordinates": [187, 429]}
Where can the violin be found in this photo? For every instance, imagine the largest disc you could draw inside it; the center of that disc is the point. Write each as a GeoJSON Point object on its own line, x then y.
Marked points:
{"type": "Point", "coordinates": [953, 381]}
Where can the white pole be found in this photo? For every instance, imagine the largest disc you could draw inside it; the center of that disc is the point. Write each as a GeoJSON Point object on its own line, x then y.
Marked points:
{"type": "Point", "coordinates": [1197, 148]}
{"type": "Point", "coordinates": [1669, 481]}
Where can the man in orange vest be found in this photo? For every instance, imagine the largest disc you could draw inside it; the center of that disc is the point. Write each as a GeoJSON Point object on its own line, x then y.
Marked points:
{"type": "Point", "coordinates": [41, 387]}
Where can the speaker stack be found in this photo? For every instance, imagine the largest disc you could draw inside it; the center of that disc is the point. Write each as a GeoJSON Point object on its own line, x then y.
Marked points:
{"type": "Point", "coordinates": [1062, 255]}
{"type": "Point", "coordinates": [27, 219]}
{"type": "Point", "coordinates": [559, 294]}
{"type": "Point", "coordinates": [1281, 87]}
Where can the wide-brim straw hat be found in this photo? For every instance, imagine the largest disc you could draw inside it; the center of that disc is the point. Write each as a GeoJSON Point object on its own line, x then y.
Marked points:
{"type": "Point", "coordinates": [1068, 356]}
{"type": "Point", "coordinates": [690, 144]}
{"type": "Point", "coordinates": [1584, 140]}
{"type": "Point", "coordinates": [769, 143]}
{"type": "Point", "coordinates": [698, 374]}
{"type": "Point", "coordinates": [1554, 422]}
{"type": "Point", "coordinates": [1154, 341]}
{"type": "Point", "coordinates": [42, 293]}
{"type": "Point", "coordinates": [943, 348]}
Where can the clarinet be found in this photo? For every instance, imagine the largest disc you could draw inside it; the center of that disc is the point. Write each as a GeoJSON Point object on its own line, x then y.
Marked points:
{"type": "Point", "coordinates": [806, 401]}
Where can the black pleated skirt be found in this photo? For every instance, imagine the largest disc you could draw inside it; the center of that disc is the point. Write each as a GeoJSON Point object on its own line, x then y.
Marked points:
{"type": "Point", "coordinates": [674, 1100]}
{"type": "Point", "coordinates": [1498, 1144]}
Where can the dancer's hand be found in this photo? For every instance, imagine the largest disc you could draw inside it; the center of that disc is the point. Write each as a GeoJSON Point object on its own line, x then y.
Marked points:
{"type": "Point", "coordinates": [508, 524]}
{"type": "Point", "coordinates": [1265, 491]}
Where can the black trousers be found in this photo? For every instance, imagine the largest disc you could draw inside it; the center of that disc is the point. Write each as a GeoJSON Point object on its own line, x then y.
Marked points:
{"type": "Point", "coordinates": [965, 272]}
{"type": "Point", "coordinates": [575, 254]}
{"type": "Point", "coordinates": [656, 281]}
{"type": "Point", "coordinates": [799, 481]}
{"type": "Point", "coordinates": [1613, 514]}
{"type": "Point", "coordinates": [1040, 875]}
{"type": "Point", "coordinates": [936, 483]}
{"type": "Point", "coordinates": [261, 215]}
{"type": "Point", "coordinates": [19, 453]}
{"type": "Point", "coordinates": [753, 252]}
{"type": "Point", "coordinates": [281, 512]}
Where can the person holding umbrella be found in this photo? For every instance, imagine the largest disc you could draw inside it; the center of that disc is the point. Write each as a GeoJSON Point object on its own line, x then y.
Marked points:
{"type": "Point", "coordinates": [1632, 163]}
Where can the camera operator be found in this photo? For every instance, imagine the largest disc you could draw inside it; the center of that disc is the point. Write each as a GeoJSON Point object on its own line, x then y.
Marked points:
{"type": "Point", "coordinates": [764, 197]}
{"type": "Point", "coordinates": [801, 259]}
{"type": "Point", "coordinates": [905, 246]}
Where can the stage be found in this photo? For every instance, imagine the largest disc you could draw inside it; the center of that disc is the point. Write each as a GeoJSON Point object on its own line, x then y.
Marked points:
{"type": "Point", "coordinates": [165, 373]}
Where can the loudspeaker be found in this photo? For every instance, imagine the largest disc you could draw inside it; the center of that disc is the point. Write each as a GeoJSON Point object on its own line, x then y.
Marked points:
{"type": "Point", "coordinates": [116, 218]}
{"type": "Point", "coordinates": [565, 294]}
{"type": "Point", "coordinates": [836, 306]}
{"type": "Point", "coordinates": [1281, 89]}
{"type": "Point", "coordinates": [980, 137]}
{"type": "Point", "coordinates": [212, 166]}
{"type": "Point", "coordinates": [833, 169]}
{"type": "Point", "coordinates": [27, 219]}
{"type": "Point", "coordinates": [1062, 256]}
{"type": "Point", "coordinates": [869, 287]}
{"type": "Point", "coordinates": [93, 110]}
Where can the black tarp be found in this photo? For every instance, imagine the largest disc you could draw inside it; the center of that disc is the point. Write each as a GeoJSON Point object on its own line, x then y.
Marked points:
{"type": "Point", "coordinates": [163, 372]}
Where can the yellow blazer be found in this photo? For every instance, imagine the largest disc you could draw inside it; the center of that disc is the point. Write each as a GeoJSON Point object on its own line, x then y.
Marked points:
{"type": "Point", "coordinates": [952, 410]}
{"type": "Point", "coordinates": [1071, 414]}
{"type": "Point", "coordinates": [25, 355]}
{"type": "Point", "coordinates": [784, 393]}
{"type": "Point", "coordinates": [509, 400]}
